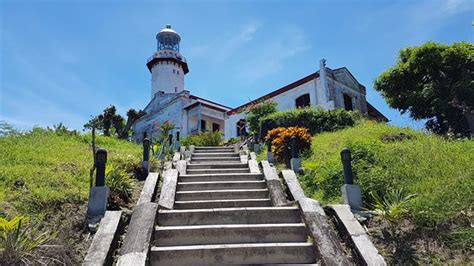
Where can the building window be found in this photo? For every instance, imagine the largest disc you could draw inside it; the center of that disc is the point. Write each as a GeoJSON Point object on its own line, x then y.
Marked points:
{"type": "Point", "coordinates": [303, 101]}
{"type": "Point", "coordinates": [174, 71]}
{"type": "Point", "coordinates": [347, 102]}
{"type": "Point", "coordinates": [203, 125]}
{"type": "Point", "coordinates": [215, 127]}
{"type": "Point", "coordinates": [175, 89]}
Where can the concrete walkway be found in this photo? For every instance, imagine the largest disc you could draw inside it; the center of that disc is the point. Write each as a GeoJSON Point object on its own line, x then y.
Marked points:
{"type": "Point", "coordinates": [222, 214]}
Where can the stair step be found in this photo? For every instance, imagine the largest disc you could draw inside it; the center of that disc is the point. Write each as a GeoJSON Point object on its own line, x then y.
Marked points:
{"type": "Point", "coordinates": [210, 185]}
{"type": "Point", "coordinates": [218, 171]}
{"type": "Point", "coordinates": [222, 194]}
{"type": "Point", "coordinates": [217, 159]}
{"type": "Point", "coordinates": [203, 177]}
{"type": "Point", "coordinates": [229, 234]}
{"type": "Point", "coordinates": [216, 154]}
{"type": "Point", "coordinates": [251, 215]}
{"type": "Point", "coordinates": [212, 204]}
{"type": "Point", "coordinates": [248, 253]}
{"type": "Point", "coordinates": [218, 165]}
{"type": "Point", "coordinates": [213, 148]}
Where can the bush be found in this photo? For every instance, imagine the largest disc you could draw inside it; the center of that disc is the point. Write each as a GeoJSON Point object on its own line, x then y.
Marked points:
{"type": "Point", "coordinates": [119, 182]}
{"type": "Point", "coordinates": [203, 139]}
{"type": "Point", "coordinates": [256, 112]}
{"type": "Point", "coordinates": [316, 120]}
{"type": "Point", "coordinates": [19, 241]}
{"type": "Point", "coordinates": [281, 141]}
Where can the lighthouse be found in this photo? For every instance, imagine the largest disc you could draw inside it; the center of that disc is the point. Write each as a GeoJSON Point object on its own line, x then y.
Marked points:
{"type": "Point", "coordinates": [167, 65]}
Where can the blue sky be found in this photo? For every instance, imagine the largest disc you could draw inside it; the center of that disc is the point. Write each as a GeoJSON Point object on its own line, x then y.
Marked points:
{"type": "Point", "coordinates": [62, 61]}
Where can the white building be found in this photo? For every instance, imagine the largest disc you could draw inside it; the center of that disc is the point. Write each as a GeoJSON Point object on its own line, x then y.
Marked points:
{"type": "Point", "coordinates": [169, 99]}
{"type": "Point", "coordinates": [326, 88]}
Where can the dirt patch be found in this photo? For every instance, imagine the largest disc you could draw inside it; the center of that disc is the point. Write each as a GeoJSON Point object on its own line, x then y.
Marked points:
{"type": "Point", "coordinates": [73, 235]}
{"type": "Point", "coordinates": [410, 245]}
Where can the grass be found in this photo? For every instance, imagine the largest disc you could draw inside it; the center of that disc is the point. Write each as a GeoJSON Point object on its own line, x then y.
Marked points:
{"type": "Point", "coordinates": [438, 171]}
{"type": "Point", "coordinates": [42, 170]}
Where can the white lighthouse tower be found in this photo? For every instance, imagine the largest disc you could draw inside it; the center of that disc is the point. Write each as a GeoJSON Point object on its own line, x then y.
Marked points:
{"type": "Point", "coordinates": [167, 65]}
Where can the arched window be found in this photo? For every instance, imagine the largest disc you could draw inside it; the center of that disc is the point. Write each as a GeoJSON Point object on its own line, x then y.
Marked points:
{"type": "Point", "coordinates": [347, 102]}
{"type": "Point", "coordinates": [303, 101]}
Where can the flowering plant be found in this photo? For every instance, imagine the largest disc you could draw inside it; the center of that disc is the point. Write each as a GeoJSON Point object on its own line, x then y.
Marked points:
{"type": "Point", "coordinates": [281, 141]}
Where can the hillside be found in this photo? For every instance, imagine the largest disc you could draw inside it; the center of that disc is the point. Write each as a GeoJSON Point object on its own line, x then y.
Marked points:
{"type": "Point", "coordinates": [44, 175]}
{"type": "Point", "coordinates": [438, 173]}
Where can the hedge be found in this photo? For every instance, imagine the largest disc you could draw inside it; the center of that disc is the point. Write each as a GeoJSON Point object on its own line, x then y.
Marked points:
{"type": "Point", "coordinates": [316, 120]}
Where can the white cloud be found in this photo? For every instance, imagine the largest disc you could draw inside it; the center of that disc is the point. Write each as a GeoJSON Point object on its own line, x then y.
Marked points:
{"type": "Point", "coordinates": [222, 48]}
{"type": "Point", "coordinates": [286, 43]}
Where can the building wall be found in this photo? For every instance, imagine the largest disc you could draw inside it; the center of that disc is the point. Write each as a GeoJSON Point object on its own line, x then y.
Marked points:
{"type": "Point", "coordinates": [338, 84]}
{"type": "Point", "coordinates": [167, 76]}
{"type": "Point", "coordinates": [173, 112]}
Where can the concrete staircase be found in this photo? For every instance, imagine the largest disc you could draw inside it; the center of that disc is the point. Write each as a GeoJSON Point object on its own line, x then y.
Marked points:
{"type": "Point", "coordinates": [223, 215]}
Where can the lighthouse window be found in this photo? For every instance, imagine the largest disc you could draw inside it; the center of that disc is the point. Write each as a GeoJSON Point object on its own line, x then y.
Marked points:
{"type": "Point", "coordinates": [173, 71]}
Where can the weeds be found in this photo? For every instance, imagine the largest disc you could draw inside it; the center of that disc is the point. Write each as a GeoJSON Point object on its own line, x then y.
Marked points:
{"type": "Point", "coordinates": [118, 181]}
{"type": "Point", "coordinates": [19, 240]}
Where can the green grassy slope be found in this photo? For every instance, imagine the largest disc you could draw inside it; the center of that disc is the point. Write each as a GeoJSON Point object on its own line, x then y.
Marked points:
{"type": "Point", "coordinates": [440, 172]}
{"type": "Point", "coordinates": [41, 170]}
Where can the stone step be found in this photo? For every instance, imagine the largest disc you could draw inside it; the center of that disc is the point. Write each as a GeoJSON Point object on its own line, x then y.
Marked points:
{"type": "Point", "coordinates": [196, 177]}
{"type": "Point", "coordinates": [214, 148]}
{"type": "Point", "coordinates": [251, 215]}
{"type": "Point", "coordinates": [219, 165]}
{"type": "Point", "coordinates": [229, 234]}
{"type": "Point", "coordinates": [222, 194]}
{"type": "Point", "coordinates": [215, 159]}
{"type": "Point", "coordinates": [248, 253]}
{"type": "Point", "coordinates": [212, 204]}
{"type": "Point", "coordinates": [216, 154]}
{"type": "Point", "coordinates": [218, 171]}
{"type": "Point", "coordinates": [217, 149]}
{"type": "Point", "coordinates": [210, 185]}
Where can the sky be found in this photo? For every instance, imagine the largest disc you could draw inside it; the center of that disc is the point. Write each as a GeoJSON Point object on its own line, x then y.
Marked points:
{"type": "Point", "coordinates": [63, 61]}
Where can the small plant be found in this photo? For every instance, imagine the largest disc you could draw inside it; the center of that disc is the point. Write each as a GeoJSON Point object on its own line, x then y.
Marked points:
{"type": "Point", "coordinates": [118, 181]}
{"type": "Point", "coordinates": [392, 207]}
{"type": "Point", "coordinates": [19, 240]}
{"type": "Point", "coordinates": [203, 139]}
{"type": "Point", "coordinates": [281, 141]}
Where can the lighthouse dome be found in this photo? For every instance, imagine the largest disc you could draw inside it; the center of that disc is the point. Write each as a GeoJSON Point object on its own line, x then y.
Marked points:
{"type": "Point", "coordinates": [168, 39]}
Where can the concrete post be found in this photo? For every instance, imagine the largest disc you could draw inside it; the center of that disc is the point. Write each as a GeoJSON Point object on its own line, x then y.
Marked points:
{"type": "Point", "coordinates": [295, 162]}
{"type": "Point", "coordinates": [270, 156]}
{"type": "Point", "coordinates": [98, 195]}
{"type": "Point", "coordinates": [346, 165]}
{"type": "Point", "coordinates": [351, 193]}
{"type": "Point", "coordinates": [101, 160]}
{"type": "Point", "coordinates": [146, 159]}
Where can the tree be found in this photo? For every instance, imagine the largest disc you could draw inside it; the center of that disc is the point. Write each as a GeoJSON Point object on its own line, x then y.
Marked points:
{"type": "Point", "coordinates": [132, 116]}
{"type": "Point", "coordinates": [433, 82]}
{"type": "Point", "coordinates": [112, 123]}
{"type": "Point", "coordinates": [257, 111]}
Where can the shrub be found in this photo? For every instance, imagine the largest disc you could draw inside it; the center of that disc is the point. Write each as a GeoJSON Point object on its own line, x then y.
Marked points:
{"type": "Point", "coordinates": [19, 240]}
{"type": "Point", "coordinates": [256, 112]}
{"type": "Point", "coordinates": [316, 120]}
{"type": "Point", "coordinates": [203, 139]}
{"type": "Point", "coordinates": [281, 141]}
{"type": "Point", "coordinates": [119, 182]}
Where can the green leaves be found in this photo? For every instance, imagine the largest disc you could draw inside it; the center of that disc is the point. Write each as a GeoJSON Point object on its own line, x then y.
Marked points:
{"type": "Point", "coordinates": [433, 82]}
{"type": "Point", "coordinates": [19, 240]}
{"type": "Point", "coordinates": [392, 206]}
